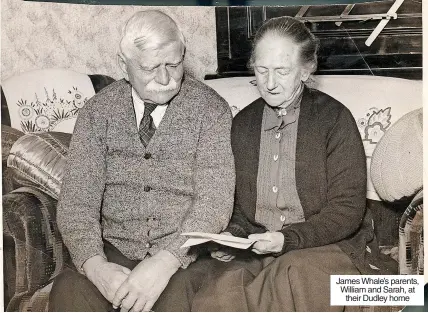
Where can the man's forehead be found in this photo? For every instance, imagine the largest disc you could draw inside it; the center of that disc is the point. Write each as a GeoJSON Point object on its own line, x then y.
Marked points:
{"type": "Point", "coordinates": [171, 53]}
{"type": "Point", "coordinates": [161, 49]}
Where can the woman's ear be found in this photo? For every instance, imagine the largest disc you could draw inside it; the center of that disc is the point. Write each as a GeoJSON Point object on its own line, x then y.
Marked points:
{"type": "Point", "coordinates": [305, 73]}
{"type": "Point", "coordinates": [123, 66]}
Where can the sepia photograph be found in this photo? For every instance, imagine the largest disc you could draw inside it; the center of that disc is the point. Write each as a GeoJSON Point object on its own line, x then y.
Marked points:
{"type": "Point", "coordinates": [210, 156]}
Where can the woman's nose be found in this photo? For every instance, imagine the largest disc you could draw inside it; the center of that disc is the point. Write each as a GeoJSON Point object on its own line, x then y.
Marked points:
{"type": "Point", "coordinates": [271, 82]}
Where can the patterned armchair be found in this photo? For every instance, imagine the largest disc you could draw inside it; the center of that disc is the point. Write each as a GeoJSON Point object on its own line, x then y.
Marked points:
{"type": "Point", "coordinates": [397, 174]}
{"type": "Point", "coordinates": [35, 119]}
{"type": "Point", "coordinates": [411, 246]}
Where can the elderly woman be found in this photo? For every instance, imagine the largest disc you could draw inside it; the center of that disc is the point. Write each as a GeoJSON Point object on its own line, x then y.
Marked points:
{"type": "Point", "coordinates": [301, 186]}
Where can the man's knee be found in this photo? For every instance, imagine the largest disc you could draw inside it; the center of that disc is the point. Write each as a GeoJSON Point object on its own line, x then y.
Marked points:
{"type": "Point", "coordinates": [182, 287]}
{"type": "Point", "coordinates": [191, 277]}
{"type": "Point", "coordinates": [69, 289]}
{"type": "Point", "coordinates": [69, 281]}
{"type": "Point", "coordinates": [64, 281]}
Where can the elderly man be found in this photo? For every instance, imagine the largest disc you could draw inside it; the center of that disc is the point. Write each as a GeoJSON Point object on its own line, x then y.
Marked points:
{"type": "Point", "coordinates": [150, 159]}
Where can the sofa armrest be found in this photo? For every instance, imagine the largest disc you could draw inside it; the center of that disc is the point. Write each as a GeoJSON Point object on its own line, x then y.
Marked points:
{"type": "Point", "coordinates": [38, 255]}
{"type": "Point", "coordinates": [411, 244]}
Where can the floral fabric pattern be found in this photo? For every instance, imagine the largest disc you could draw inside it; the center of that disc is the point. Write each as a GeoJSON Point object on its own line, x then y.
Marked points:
{"type": "Point", "coordinates": [44, 114]}
{"type": "Point", "coordinates": [373, 126]}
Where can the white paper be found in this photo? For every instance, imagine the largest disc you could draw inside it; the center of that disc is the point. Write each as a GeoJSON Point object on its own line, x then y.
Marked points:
{"type": "Point", "coordinates": [197, 238]}
{"type": "Point", "coordinates": [237, 245]}
{"type": "Point", "coordinates": [193, 242]}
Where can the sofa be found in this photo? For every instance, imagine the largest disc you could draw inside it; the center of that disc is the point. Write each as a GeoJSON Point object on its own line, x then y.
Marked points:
{"type": "Point", "coordinates": [37, 124]}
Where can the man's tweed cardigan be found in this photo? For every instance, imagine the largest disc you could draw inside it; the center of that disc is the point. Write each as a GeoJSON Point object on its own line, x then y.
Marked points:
{"type": "Point", "coordinates": [142, 199]}
{"type": "Point", "coordinates": [330, 180]}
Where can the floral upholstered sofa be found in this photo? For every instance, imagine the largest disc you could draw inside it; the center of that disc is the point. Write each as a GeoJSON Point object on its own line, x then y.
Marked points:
{"type": "Point", "coordinates": [37, 123]}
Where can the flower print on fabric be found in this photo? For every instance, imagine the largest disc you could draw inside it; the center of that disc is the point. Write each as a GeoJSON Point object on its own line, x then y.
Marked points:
{"type": "Point", "coordinates": [44, 114]}
{"type": "Point", "coordinates": [373, 126]}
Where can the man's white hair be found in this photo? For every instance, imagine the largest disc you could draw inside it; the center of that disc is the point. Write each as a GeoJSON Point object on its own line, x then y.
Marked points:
{"type": "Point", "coordinates": [149, 29]}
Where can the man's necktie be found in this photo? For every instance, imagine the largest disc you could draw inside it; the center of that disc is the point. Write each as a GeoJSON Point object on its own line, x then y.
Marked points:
{"type": "Point", "coordinates": [147, 127]}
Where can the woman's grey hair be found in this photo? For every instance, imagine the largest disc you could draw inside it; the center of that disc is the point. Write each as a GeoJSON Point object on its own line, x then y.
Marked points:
{"type": "Point", "coordinates": [146, 27]}
{"type": "Point", "coordinates": [289, 27]}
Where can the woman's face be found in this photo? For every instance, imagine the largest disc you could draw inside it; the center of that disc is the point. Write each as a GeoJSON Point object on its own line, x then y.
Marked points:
{"type": "Point", "coordinates": [278, 70]}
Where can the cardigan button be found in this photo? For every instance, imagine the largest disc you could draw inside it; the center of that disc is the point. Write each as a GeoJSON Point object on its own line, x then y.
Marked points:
{"type": "Point", "coordinates": [148, 245]}
{"type": "Point", "coordinates": [147, 156]}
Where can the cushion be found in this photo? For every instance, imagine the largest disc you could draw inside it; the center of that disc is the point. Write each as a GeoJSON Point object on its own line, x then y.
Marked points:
{"type": "Point", "coordinates": [9, 136]}
{"type": "Point", "coordinates": [49, 100]}
{"type": "Point", "coordinates": [397, 164]}
{"type": "Point", "coordinates": [38, 160]}
{"type": "Point", "coordinates": [375, 102]}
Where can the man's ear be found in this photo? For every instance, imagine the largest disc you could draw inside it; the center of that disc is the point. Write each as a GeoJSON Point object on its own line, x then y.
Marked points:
{"type": "Point", "coordinates": [121, 60]}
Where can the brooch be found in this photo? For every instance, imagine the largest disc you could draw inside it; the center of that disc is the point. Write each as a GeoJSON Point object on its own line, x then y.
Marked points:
{"type": "Point", "coordinates": [282, 112]}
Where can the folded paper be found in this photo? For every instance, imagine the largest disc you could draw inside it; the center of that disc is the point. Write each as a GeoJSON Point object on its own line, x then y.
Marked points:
{"type": "Point", "coordinates": [197, 238]}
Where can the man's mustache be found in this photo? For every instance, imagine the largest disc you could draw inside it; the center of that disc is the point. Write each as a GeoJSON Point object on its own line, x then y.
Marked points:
{"type": "Point", "coordinates": [155, 87]}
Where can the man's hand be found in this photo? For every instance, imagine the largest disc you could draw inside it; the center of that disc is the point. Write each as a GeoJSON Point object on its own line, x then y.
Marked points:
{"type": "Point", "coordinates": [269, 242]}
{"type": "Point", "coordinates": [146, 282]}
{"type": "Point", "coordinates": [106, 276]}
{"type": "Point", "coordinates": [224, 254]}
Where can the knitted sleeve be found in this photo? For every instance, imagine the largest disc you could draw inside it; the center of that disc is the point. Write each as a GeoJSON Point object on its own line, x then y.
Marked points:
{"type": "Point", "coordinates": [79, 205]}
{"type": "Point", "coordinates": [237, 223]}
{"type": "Point", "coordinates": [214, 180]}
{"type": "Point", "coordinates": [346, 177]}
{"type": "Point", "coordinates": [240, 225]}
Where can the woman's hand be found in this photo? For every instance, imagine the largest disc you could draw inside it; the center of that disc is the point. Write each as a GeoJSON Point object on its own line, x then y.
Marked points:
{"type": "Point", "coordinates": [269, 242]}
{"type": "Point", "coordinates": [222, 255]}
{"type": "Point", "coordinates": [225, 254]}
